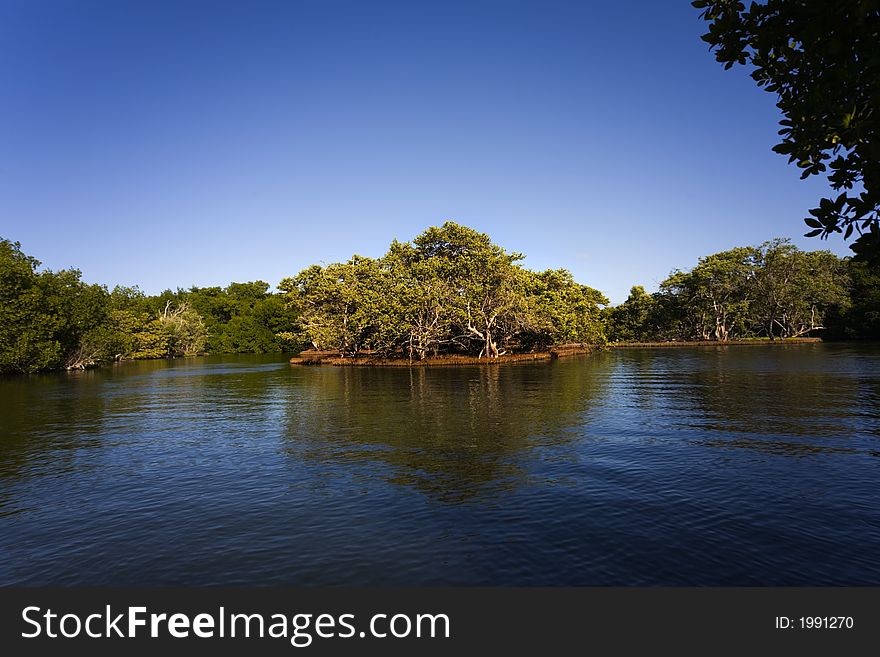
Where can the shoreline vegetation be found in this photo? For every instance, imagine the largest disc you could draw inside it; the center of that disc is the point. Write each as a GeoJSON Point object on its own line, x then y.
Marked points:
{"type": "Point", "coordinates": [753, 342]}
{"type": "Point", "coordinates": [449, 296]}
{"type": "Point", "coordinates": [314, 357]}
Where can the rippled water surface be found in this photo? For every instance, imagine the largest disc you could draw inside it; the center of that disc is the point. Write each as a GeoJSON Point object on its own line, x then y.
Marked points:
{"type": "Point", "coordinates": [738, 466]}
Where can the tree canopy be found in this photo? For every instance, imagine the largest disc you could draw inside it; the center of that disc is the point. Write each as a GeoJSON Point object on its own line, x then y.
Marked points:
{"type": "Point", "coordinates": [43, 315]}
{"type": "Point", "coordinates": [52, 320]}
{"type": "Point", "coordinates": [450, 290]}
{"type": "Point", "coordinates": [772, 291]}
{"type": "Point", "coordinates": [821, 59]}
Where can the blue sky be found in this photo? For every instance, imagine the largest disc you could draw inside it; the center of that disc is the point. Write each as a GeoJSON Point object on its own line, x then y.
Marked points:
{"type": "Point", "coordinates": [184, 143]}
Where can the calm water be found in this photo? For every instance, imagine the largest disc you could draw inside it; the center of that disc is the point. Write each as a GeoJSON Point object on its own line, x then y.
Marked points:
{"type": "Point", "coordinates": [736, 466]}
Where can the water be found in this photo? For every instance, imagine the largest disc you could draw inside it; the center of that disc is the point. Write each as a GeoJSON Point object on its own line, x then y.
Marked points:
{"type": "Point", "coordinates": [736, 466]}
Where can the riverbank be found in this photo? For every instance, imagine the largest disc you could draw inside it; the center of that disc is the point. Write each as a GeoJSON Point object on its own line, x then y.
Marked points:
{"type": "Point", "coordinates": [715, 343]}
{"type": "Point", "coordinates": [316, 357]}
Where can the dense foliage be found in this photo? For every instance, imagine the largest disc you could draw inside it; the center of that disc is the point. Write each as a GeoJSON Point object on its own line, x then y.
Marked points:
{"type": "Point", "coordinates": [52, 320]}
{"type": "Point", "coordinates": [771, 291]}
{"type": "Point", "coordinates": [450, 290]}
{"type": "Point", "coordinates": [43, 316]}
{"type": "Point", "coordinates": [821, 58]}
{"type": "Point", "coordinates": [862, 318]}
{"type": "Point", "coordinates": [240, 318]}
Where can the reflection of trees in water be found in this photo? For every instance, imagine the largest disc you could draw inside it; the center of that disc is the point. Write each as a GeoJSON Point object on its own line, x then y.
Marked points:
{"type": "Point", "coordinates": [47, 420]}
{"type": "Point", "coordinates": [789, 400]}
{"type": "Point", "coordinates": [47, 417]}
{"type": "Point", "coordinates": [454, 433]}
{"type": "Point", "coordinates": [776, 447]}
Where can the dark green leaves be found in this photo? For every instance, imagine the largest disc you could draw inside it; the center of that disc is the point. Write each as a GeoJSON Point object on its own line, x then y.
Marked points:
{"type": "Point", "coordinates": [822, 61]}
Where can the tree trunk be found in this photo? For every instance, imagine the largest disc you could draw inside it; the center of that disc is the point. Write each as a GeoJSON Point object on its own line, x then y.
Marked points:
{"type": "Point", "coordinates": [491, 347]}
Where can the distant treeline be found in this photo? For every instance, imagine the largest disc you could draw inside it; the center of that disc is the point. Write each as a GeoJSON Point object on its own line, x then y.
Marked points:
{"type": "Point", "coordinates": [53, 320]}
{"type": "Point", "coordinates": [449, 291]}
{"type": "Point", "coordinates": [770, 291]}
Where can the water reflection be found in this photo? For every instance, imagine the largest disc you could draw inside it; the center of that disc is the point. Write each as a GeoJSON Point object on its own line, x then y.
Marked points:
{"type": "Point", "coordinates": [453, 433]}
{"type": "Point", "coordinates": [786, 400]}
{"type": "Point", "coordinates": [46, 418]}
{"type": "Point", "coordinates": [679, 466]}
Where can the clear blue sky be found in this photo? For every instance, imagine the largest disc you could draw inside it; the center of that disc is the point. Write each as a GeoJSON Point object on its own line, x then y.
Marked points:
{"type": "Point", "coordinates": [184, 143]}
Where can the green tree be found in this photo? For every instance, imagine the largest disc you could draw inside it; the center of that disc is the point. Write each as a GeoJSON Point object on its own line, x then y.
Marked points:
{"type": "Point", "coordinates": [149, 339]}
{"type": "Point", "coordinates": [862, 318]}
{"type": "Point", "coordinates": [47, 319]}
{"type": "Point", "coordinates": [774, 290]}
{"type": "Point", "coordinates": [184, 328]}
{"type": "Point", "coordinates": [792, 289]}
{"type": "Point", "coordinates": [449, 290]}
{"type": "Point", "coordinates": [670, 317]}
{"type": "Point", "coordinates": [424, 297]}
{"type": "Point", "coordinates": [632, 320]}
{"type": "Point", "coordinates": [242, 317]}
{"type": "Point", "coordinates": [821, 59]}
{"type": "Point", "coordinates": [341, 305]}
{"type": "Point", "coordinates": [27, 341]}
{"type": "Point", "coordinates": [488, 305]}
{"type": "Point", "coordinates": [79, 313]}
{"type": "Point", "coordinates": [716, 293]}
{"type": "Point", "coordinates": [50, 320]}
{"type": "Point", "coordinates": [564, 311]}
